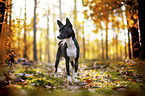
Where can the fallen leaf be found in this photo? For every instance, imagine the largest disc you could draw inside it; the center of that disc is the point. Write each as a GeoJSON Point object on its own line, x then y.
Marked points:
{"type": "Point", "coordinates": [88, 81]}
{"type": "Point", "coordinates": [115, 88]}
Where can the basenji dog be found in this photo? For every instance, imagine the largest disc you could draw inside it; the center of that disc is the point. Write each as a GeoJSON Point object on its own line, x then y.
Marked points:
{"type": "Point", "coordinates": [68, 48]}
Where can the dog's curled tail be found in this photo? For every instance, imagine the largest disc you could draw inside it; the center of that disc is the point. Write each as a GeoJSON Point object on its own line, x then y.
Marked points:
{"type": "Point", "coordinates": [60, 42]}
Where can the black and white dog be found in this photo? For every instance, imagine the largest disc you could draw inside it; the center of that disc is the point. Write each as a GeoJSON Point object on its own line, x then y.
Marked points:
{"type": "Point", "coordinates": [68, 48]}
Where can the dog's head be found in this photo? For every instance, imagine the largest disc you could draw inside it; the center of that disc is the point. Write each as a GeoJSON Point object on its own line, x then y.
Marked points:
{"type": "Point", "coordinates": [65, 31]}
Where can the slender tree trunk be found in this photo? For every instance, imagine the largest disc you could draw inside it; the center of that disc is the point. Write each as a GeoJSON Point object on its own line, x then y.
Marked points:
{"type": "Point", "coordinates": [83, 32]}
{"type": "Point", "coordinates": [6, 17]}
{"type": "Point", "coordinates": [129, 47]}
{"type": "Point", "coordinates": [47, 38]}
{"type": "Point", "coordinates": [102, 45]}
{"type": "Point", "coordinates": [116, 39]}
{"type": "Point", "coordinates": [34, 40]}
{"type": "Point", "coordinates": [141, 14]}
{"type": "Point", "coordinates": [125, 52]}
{"type": "Point", "coordinates": [120, 52]}
{"type": "Point", "coordinates": [75, 17]}
{"type": "Point", "coordinates": [40, 44]}
{"type": "Point", "coordinates": [25, 46]}
{"type": "Point", "coordinates": [129, 39]}
{"type": "Point", "coordinates": [89, 51]}
{"type": "Point", "coordinates": [54, 31]}
{"type": "Point", "coordinates": [19, 33]}
{"type": "Point", "coordinates": [113, 46]}
{"type": "Point", "coordinates": [107, 40]}
{"type": "Point", "coordinates": [113, 42]}
{"type": "Point", "coordinates": [10, 17]}
{"type": "Point", "coordinates": [60, 13]}
{"type": "Point", "coordinates": [93, 51]}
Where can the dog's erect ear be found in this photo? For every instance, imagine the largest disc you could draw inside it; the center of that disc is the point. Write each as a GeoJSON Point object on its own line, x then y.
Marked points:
{"type": "Point", "coordinates": [68, 23]}
{"type": "Point", "coordinates": [59, 23]}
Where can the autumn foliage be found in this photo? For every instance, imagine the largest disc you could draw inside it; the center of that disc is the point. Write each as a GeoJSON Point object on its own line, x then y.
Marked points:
{"type": "Point", "coordinates": [110, 42]}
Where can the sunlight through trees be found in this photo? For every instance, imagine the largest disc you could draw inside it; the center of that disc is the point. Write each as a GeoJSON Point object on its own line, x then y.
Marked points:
{"type": "Point", "coordinates": [110, 34]}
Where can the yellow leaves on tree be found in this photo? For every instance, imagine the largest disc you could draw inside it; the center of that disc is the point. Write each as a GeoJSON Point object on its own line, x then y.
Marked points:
{"type": "Point", "coordinates": [104, 9]}
{"type": "Point", "coordinates": [131, 22]}
{"type": "Point", "coordinates": [85, 14]}
{"type": "Point", "coordinates": [135, 16]}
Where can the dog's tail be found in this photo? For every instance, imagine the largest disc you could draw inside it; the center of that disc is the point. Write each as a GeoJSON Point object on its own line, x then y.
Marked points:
{"type": "Point", "coordinates": [60, 42]}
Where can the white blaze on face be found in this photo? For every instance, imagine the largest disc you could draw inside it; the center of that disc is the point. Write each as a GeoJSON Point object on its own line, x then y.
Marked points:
{"type": "Point", "coordinates": [71, 50]}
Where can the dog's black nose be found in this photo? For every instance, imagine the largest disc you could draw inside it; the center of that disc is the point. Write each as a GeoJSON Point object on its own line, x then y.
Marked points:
{"type": "Point", "coordinates": [58, 37]}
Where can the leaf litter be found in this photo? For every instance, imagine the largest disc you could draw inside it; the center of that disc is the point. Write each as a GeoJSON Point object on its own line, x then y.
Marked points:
{"type": "Point", "coordinates": [97, 77]}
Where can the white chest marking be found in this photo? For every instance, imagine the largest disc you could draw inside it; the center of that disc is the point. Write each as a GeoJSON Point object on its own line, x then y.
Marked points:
{"type": "Point", "coordinates": [71, 50]}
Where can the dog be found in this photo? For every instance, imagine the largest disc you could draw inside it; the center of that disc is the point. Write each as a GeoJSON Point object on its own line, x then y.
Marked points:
{"type": "Point", "coordinates": [68, 48]}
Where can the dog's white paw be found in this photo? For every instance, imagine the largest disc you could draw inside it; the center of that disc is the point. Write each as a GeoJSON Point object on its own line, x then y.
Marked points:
{"type": "Point", "coordinates": [74, 76]}
{"type": "Point", "coordinates": [55, 75]}
{"type": "Point", "coordinates": [69, 78]}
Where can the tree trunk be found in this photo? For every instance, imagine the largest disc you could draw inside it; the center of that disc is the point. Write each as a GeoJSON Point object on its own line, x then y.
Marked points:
{"type": "Point", "coordinates": [25, 46]}
{"type": "Point", "coordinates": [135, 42]}
{"type": "Point", "coordinates": [116, 39]}
{"type": "Point", "coordinates": [141, 14]}
{"type": "Point", "coordinates": [102, 45]}
{"type": "Point", "coordinates": [54, 31]}
{"type": "Point", "coordinates": [6, 17]}
{"type": "Point", "coordinates": [75, 17]}
{"type": "Point", "coordinates": [125, 52]}
{"type": "Point", "coordinates": [47, 38]}
{"type": "Point", "coordinates": [83, 42]}
{"type": "Point", "coordinates": [60, 13]}
{"type": "Point", "coordinates": [10, 17]}
{"type": "Point", "coordinates": [89, 51]}
{"type": "Point", "coordinates": [129, 47]}
{"type": "Point", "coordinates": [113, 28]}
{"type": "Point", "coordinates": [113, 44]}
{"type": "Point", "coordinates": [19, 33]}
{"type": "Point", "coordinates": [107, 40]}
{"type": "Point", "coordinates": [34, 40]}
{"type": "Point", "coordinates": [134, 33]}
{"type": "Point", "coordinates": [40, 44]}
{"type": "Point", "coordinates": [2, 11]}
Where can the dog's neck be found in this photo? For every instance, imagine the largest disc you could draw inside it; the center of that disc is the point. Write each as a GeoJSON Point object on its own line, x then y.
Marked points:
{"type": "Point", "coordinates": [70, 42]}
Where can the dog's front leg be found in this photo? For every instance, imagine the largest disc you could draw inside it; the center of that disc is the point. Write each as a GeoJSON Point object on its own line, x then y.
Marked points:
{"type": "Point", "coordinates": [74, 74]}
{"type": "Point", "coordinates": [67, 69]}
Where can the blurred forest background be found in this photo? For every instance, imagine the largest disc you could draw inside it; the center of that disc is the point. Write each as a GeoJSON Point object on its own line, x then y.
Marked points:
{"type": "Point", "coordinates": [111, 38]}
{"type": "Point", "coordinates": [105, 30]}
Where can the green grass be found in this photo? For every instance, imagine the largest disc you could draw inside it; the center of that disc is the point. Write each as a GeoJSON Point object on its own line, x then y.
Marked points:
{"type": "Point", "coordinates": [96, 78]}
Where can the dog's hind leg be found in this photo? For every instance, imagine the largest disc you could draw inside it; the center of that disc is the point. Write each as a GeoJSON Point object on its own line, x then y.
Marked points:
{"type": "Point", "coordinates": [76, 65]}
{"type": "Point", "coordinates": [58, 57]}
{"type": "Point", "coordinates": [72, 63]}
